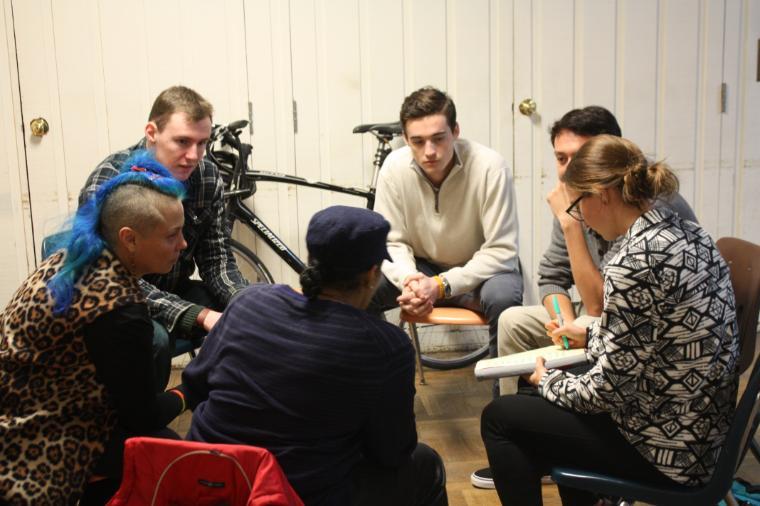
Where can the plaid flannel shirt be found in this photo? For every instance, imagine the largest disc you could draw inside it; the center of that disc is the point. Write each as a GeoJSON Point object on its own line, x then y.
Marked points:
{"type": "Point", "coordinates": [205, 232]}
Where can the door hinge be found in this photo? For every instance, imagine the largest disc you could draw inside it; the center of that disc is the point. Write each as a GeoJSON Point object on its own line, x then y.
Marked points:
{"type": "Point", "coordinates": [250, 118]}
{"type": "Point", "coordinates": [295, 117]}
{"type": "Point", "coordinates": [723, 98]}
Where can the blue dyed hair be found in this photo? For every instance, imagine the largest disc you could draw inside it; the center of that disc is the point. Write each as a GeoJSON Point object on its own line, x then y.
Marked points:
{"type": "Point", "coordinates": [84, 241]}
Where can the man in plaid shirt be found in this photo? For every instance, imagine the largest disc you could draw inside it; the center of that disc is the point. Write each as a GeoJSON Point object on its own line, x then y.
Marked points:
{"type": "Point", "coordinates": [179, 126]}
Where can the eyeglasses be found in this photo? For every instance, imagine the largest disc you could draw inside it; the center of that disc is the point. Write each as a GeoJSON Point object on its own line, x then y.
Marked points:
{"type": "Point", "coordinates": [574, 210]}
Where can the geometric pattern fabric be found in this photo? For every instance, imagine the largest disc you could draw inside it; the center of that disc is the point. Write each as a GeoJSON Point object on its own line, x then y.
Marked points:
{"type": "Point", "coordinates": [665, 349]}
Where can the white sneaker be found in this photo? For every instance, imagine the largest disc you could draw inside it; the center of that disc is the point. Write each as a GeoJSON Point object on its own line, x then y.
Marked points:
{"type": "Point", "coordinates": [483, 478]}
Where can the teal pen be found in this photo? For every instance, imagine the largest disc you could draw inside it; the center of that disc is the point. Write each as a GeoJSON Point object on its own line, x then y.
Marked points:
{"type": "Point", "coordinates": [555, 302]}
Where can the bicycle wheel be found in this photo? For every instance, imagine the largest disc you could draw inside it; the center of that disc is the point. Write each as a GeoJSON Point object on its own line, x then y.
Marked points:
{"type": "Point", "coordinates": [446, 360]}
{"type": "Point", "coordinates": [251, 267]}
{"type": "Point", "coordinates": [454, 362]}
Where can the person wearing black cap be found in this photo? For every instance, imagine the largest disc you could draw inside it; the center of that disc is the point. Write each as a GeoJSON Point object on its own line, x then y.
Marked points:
{"type": "Point", "coordinates": [318, 381]}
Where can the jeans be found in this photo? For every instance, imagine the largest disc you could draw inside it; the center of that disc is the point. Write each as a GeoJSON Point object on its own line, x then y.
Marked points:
{"type": "Point", "coordinates": [164, 341]}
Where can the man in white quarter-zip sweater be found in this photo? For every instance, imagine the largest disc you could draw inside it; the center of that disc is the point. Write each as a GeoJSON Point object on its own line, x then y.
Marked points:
{"type": "Point", "coordinates": [453, 216]}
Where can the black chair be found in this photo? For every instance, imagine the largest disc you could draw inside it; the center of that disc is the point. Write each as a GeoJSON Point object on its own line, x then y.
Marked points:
{"type": "Point", "coordinates": [743, 426]}
{"type": "Point", "coordinates": [743, 258]}
{"type": "Point", "coordinates": [744, 261]}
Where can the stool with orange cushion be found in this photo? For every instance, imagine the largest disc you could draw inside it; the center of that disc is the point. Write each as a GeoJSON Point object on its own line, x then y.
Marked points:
{"type": "Point", "coordinates": [445, 316]}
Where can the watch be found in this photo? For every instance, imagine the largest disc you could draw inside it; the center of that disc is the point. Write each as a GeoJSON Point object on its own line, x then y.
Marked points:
{"type": "Point", "coordinates": [446, 286]}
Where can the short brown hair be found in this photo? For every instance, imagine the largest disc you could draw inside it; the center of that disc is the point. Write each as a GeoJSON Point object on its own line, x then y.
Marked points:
{"type": "Point", "coordinates": [426, 102]}
{"type": "Point", "coordinates": [179, 99]}
{"type": "Point", "coordinates": [608, 161]}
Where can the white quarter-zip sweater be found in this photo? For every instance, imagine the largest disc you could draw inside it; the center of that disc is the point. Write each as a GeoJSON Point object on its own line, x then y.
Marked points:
{"type": "Point", "coordinates": [468, 226]}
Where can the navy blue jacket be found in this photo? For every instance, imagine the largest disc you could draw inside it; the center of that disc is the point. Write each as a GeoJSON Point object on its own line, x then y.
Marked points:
{"type": "Point", "coordinates": [320, 384]}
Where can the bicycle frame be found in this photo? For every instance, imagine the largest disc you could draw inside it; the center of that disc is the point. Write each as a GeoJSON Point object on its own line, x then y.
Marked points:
{"type": "Point", "coordinates": [244, 214]}
{"type": "Point", "coordinates": [243, 185]}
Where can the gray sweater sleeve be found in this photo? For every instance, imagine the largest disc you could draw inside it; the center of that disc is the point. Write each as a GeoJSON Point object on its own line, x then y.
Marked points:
{"type": "Point", "coordinates": [678, 204]}
{"type": "Point", "coordinates": [554, 273]}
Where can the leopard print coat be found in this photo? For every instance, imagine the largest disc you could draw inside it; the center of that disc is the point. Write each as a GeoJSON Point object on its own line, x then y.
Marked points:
{"type": "Point", "coordinates": [55, 416]}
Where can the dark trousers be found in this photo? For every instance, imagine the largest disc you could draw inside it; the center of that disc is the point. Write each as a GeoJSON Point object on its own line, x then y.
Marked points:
{"type": "Point", "coordinates": [164, 341]}
{"type": "Point", "coordinates": [491, 298]}
{"type": "Point", "coordinates": [421, 481]}
{"type": "Point", "coordinates": [111, 465]}
{"type": "Point", "coordinates": [526, 436]}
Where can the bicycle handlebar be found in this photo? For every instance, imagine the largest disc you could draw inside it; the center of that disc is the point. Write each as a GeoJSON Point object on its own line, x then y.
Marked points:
{"type": "Point", "coordinates": [238, 125]}
{"type": "Point", "coordinates": [228, 134]}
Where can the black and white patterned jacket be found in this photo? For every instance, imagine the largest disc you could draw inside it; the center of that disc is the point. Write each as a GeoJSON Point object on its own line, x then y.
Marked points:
{"type": "Point", "coordinates": [665, 350]}
{"type": "Point", "coordinates": [205, 232]}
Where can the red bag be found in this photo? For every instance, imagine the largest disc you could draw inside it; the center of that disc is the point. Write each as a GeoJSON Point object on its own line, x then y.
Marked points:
{"type": "Point", "coordinates": [166, 472]}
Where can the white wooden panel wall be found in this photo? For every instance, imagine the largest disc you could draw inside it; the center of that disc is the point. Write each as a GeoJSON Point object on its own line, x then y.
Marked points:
{"type": "Point", "coordinates": [15, 217]}
{"type": "Point", "coordinates": [270, 91]}
{"type": "Point", "coordinates": [354, 61]}
{"type": "Point", "coordinates": [328, 92]}
{"type": "Point", "coordinates": [658, 67]}
{"type": "Point", "coordinates": [93, 70]}
{"type": "Point", "coordinates": [746, 151]}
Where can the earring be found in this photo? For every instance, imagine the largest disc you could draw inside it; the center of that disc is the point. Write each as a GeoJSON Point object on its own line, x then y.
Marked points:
{"type": "Point", "coordinates": [132, 263]}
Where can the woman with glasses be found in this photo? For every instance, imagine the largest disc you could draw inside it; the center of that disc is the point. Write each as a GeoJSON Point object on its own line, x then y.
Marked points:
{"type": "Point", "coordinates": [659, 397]}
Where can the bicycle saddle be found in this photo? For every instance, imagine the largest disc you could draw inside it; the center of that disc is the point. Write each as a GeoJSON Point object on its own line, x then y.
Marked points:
{"type": "Point", "coordinates": [381, 128]}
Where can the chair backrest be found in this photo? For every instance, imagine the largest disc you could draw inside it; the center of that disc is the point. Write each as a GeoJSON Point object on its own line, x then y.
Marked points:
{"type": "Point", "coordinates": [734, 448]}
{"type": "Point", "coordinates": [165, 471]}
{"type": "Point", "coordinates": [51, 243]}
{"type": "Point", "coordinates": [743, 259]}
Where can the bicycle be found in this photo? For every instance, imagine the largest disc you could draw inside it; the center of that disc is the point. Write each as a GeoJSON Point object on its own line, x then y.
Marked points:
{"type": "Point", "coordinates": [240, 181]}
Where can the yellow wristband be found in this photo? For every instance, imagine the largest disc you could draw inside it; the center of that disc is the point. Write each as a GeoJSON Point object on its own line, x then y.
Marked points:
{"type": "Point", "coordinates": [441, 288]}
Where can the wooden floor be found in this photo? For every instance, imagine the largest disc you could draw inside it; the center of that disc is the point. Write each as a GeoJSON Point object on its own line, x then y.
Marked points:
{"type": "Point", "coordinates": [448, 419]}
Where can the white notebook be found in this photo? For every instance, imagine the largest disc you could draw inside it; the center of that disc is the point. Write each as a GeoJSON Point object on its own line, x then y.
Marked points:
{"type": "Point", "coordinates": [525, 362]}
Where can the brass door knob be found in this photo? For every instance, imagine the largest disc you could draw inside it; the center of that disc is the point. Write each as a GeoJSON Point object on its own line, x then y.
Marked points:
{"type": "Point", "coordinates": [39, 127]}
{"type": "Point", "coordinates": [527, 107]}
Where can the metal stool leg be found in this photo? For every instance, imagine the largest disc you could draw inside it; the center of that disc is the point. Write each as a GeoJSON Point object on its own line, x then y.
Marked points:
{"type": "Point", "coordinates": [416, 343]}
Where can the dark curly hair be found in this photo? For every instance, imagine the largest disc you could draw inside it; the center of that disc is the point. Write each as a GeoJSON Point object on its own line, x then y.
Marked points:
{"type": "Point", "coordinates": [588, 122]}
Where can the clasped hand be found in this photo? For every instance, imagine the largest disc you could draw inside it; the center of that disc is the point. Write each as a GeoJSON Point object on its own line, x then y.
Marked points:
{"type": "Point", "coordinates": [418, 295]}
